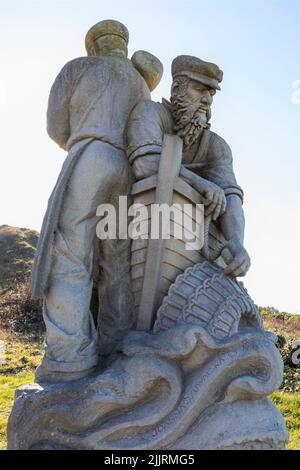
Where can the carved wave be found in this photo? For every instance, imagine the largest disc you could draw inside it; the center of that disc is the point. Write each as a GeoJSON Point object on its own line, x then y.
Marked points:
{"type": "Point", "coordinates": [145, 400]}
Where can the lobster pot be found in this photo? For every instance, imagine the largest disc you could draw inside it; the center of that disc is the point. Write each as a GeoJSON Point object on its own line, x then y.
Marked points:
{"type": "Point", "coordinates": [203, 295]}
{"type": "Point", "coordinates": [156, 263]}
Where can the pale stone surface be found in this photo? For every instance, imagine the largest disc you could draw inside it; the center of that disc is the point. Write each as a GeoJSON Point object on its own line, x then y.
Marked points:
{"type": "Point", "coordinates": [149, 67]}
{"type": "Point", "coordinates": [180, 388]}
{"type": "Point", "coordinates": [88, 108]}
{"type": "Point", "coordinates": [207, 158]}
{"type": "Point", "coordinates": [186, 363]}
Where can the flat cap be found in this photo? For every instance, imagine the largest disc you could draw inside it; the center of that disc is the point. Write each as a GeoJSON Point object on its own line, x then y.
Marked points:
{"type": "Point", "coordinates": [104, 28]}
{"type": "Point", "coordinates": [197, 69]}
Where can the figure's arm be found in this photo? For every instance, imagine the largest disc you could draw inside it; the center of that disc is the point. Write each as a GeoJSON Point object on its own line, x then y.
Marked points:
{"type": "Point", "coordinates": [58, 119]}
{"type": "Point", "coordinates": [145, 165]}
{"type": "Point", "coordinates": [213, 196]}
{"type": "Point", "coordinates": [219, 169]}
{"type": "Point", "coordinates": [232, 224]}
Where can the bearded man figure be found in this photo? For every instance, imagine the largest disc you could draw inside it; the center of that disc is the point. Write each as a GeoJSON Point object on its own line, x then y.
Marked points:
{"type": "Point", "coordinates": [207, 159]}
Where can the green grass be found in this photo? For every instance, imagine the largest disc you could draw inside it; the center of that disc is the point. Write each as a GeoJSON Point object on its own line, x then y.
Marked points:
{"type": "Point", "coordinates": [23, 354]}
{"type": "Point", "coordinates": [8, 385]}
{"type": "Point", "coordinates": [289, 405]}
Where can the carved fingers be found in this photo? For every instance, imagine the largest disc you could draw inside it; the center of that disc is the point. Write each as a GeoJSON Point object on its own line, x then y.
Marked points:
{"type": "Point", "coordinates": [240, 263]}
{"type": "Point", "coordinates": [215, 200]}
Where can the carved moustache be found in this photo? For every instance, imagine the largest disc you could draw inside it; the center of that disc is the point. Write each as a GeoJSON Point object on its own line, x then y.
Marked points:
{"type": "Point", "coordinates": [189, 120]}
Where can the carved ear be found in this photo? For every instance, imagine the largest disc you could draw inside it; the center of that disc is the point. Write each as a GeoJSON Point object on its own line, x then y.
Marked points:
{"type": "Point", "coordinates": [149, 66]}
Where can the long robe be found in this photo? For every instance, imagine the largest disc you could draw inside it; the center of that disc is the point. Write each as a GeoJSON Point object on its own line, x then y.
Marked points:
{"type": "Point", "coordinates": [90, 99]}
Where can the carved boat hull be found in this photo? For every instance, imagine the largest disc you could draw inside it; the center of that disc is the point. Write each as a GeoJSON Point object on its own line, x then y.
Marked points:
{"type": "Point", "coordinates": [175, 257]}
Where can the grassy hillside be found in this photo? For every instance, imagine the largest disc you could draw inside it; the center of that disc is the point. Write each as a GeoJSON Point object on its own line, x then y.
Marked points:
{"type": "Point", "coordinates": [18, 313]}
{"type": "Point", "coordinates": [287, 326]}
{"type": "Point", "coordinates": [281, 323]}
{"type": "Point", "coordinates": [17, 247]}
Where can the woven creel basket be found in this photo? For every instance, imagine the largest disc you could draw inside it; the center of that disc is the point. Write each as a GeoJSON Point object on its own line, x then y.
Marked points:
{"type": "Point", "coordinates": [204, 295]}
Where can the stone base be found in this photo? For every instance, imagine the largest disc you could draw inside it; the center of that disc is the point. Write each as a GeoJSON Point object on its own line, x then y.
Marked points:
{"type": "Point", "coordinates": [242, 425]}
{"type": "Point", "coordinates": [177, 389]}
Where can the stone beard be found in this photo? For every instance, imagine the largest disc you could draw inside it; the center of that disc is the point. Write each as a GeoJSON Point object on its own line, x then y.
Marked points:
{"type": "Point", "coordinates": [187, 114]}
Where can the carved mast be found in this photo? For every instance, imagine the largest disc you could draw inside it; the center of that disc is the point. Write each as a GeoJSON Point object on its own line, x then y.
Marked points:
{"type": "Point", "coordinates": [168, 172]}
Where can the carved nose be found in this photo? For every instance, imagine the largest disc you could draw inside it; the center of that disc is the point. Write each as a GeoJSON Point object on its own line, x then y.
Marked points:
{"type": "Point", "coordinates": [206, 99]}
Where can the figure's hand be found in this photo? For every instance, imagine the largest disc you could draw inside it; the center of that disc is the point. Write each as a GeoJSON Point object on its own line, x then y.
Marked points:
{"type": "Point", "coordinates": [214, 197]}
{"type": "Point", "coordinates": [237, 259]}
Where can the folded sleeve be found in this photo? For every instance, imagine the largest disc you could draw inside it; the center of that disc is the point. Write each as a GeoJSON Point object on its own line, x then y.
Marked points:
{"type": "Point", "coordinates": [218, 167]}
{"type": "Point", "coordinates": [145, 130]}
{"type": "Point", "coordinates": [58, 118]}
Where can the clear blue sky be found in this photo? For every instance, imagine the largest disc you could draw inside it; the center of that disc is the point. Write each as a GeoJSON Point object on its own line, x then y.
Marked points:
{"type": "Point", "coordinates": [256, 43]}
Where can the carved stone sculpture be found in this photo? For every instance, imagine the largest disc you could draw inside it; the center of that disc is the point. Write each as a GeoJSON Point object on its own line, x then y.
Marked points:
{"type": "Point", "coordinates": [89, 105]}
{"type": "Point", "coordinates": [184, 361]}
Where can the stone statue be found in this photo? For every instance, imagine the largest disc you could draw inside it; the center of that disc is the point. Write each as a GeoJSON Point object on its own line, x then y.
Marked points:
{"type": "Point", "coordinates": [207, 159]}
{"type": "Point", "coordinates": [89, 105]}
{"type": "Point", "coordinates": [188, 363]}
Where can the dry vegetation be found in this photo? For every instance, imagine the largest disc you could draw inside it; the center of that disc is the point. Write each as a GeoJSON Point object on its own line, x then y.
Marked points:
{"type": "Point", "coordinates": [17, 247]}
{"type": "Point", "coordinates": [20, 314]}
